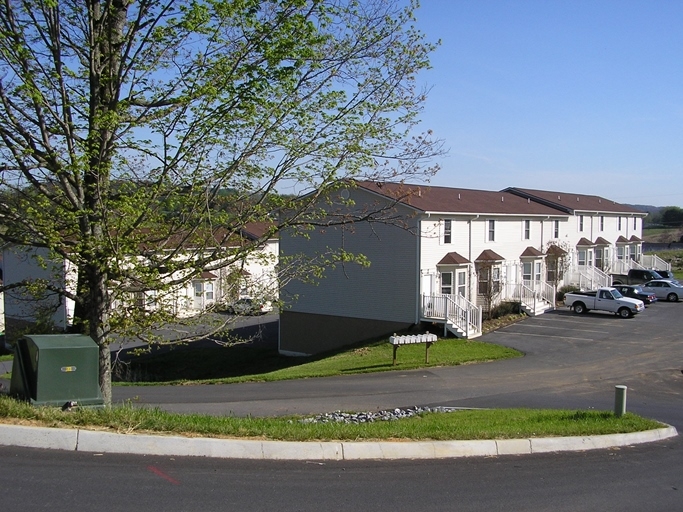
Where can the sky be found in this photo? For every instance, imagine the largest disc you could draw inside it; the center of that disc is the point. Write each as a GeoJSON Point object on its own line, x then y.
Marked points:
{"type": "Point", "coordinates": [580, 96]}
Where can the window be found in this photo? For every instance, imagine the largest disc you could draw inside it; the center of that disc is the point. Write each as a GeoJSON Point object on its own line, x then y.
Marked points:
{"type": "Point", "coordinates": [208, 290]}
{"type": "Point", "coordinates": [140, 300]}
{"type": "Point", "coordinates": [495, 271]}
{"type": "Point", "coordinates": [634, 223]}
{"type": "Point", "coordinates": [484, 275]}
{"type": "Point", "coordinates": [537, 271]}
{"type": "Point", "coordinates": [557, 229]}
{"type": "Point", "coordinates": [527, 229]}
{"type": "Point", "coordinates": [447, 231]}
{"type": "Point", "coordinates": [602, 223]}
{"type": "Point", "coordinates": [580, 222]}
{"type": "Point", "coordinates": [619, 223]}
{"type": "Point", "coordinates": [447, 283]}
{"type": "Point", "coordinates": [492, 230]}
{"type": "Point", "coordinates": [489, 280]}
{"type": "Point", "coordinates": [145, 300]}
{"type": "Point", "coordinates": [582, 256]}
{"type": "Point", "coordinates": [526, 271]}
{"type": "Point", "coordinates": [620, 252]}
{"type": "Point", "coordinates": [462, 288]}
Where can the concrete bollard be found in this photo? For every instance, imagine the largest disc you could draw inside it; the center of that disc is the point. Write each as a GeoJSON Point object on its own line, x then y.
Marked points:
{"type": "Point", "coordinates": [619, 401]}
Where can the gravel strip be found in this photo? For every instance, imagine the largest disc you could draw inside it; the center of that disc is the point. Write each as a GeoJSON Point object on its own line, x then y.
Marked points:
{"type": "Point", "coordinates": [370, 417]}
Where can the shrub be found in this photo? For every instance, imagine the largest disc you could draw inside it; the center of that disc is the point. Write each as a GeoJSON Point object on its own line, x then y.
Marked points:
{"type": "Point", "coordinates": [565, 289]}
{"type": "Point", "coordinates": [506, 308]}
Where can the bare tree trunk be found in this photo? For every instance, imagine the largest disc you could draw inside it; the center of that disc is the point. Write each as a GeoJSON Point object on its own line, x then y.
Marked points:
{"type": "Point", "coordinates": [98, 325]}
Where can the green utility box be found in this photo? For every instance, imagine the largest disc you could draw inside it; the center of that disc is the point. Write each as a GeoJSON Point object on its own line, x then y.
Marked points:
{"type": "Point", "coordinates": [56, 369]}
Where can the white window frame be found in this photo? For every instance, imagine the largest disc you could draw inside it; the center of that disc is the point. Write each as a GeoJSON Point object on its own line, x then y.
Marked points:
{"type": "Point", "coordinates": [582, 256]}
{"type": "Point", "coordinates": [491, 237]}
{"type": "Point", "coordinates": [602, 223]}
{"type": "Point", "coordinates": [461, 282]}
{"type": "Point", "coordinates": [557, 229]}
{"type": "Point", "coordinates": [619, 223]}
{"type": "Point", "coordinates": [581, 223]}
{"type": "Point", "coordinates": [447, 231]}
{"type": "Point", "coordinates": [446, 287]}
{"type": "Point", "coordinates": [527, 230]}
{"type": "Point", "coordinates": [527, 271]}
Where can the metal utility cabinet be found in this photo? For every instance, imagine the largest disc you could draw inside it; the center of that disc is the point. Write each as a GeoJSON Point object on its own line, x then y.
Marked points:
{"type": "Point", "coordinates": [56, 370]}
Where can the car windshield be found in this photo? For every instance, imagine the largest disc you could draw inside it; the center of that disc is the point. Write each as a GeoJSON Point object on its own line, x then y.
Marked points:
{"type": "Point", "coordinates": [616, 294]}
{"type": "Point", "coordinates": [637, 289]}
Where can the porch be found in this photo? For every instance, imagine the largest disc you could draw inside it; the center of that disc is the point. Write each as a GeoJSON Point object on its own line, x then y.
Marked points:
{"type": "Point", "coordinates": [463, 318]}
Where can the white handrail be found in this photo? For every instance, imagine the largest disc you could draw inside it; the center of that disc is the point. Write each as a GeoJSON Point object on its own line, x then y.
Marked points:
{"type": "Point", "coordinates": [455, 309]}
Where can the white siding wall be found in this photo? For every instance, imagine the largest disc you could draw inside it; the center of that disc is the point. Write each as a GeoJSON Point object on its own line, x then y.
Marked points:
{"type": "Point", "coordinates": [20, 263]}
{"type": "Point", "coordinates": [387, 290]}
{"type": "Point", "coordinates": [470, 237]}
{"type": "Point", "coordinates": [611, 230]}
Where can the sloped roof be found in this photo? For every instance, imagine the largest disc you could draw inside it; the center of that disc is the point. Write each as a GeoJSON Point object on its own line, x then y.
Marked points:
{"type": "Point", "coordinates": [584, 242]}
{"type": "Point", "coordinates": [458, 200]}
{"type": "Point", "coordinates": [255, 230]}
{"type": "Point", "coordinates": [570, 202]}
{"type": "Point", "coordinates": [622, 240]}
{"type": "Point", "coordinates": [489, 255]}
{"type": "Point", "coordinates": [453, 258]}
{"type": "Point", "coordinates": [634, 238]}
{"type": "Point", "coordinates": [601, 241]}
{"type": "Point", "coordinates": [531, 252]}
{"type": "Point", "coordinates": [555, 250]}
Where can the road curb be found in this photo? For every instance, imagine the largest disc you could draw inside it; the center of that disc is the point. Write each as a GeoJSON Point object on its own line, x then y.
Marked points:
{"type": "Point", "coordinates": [142, 444]}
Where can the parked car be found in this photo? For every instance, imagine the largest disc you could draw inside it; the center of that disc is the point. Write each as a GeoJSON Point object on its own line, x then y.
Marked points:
{"type": "Point", "coordinates": [635, 276]}
{"type": "Point", "coordinates": [669, 290]}
{"type": "Point", "coordinates": [603, 299]}
{"type": "Point", "coordinates": [636, 292]}
{"type": "Point", "coordinates": [248, 306]}
{"type": "Point", "coordinates": [667, 274]}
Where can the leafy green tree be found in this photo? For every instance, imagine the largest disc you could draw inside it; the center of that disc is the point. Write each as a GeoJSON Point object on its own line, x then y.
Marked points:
{"type": "Point", "coordinates": [672, 217]}
{"type": "Point", "coordinates": [122, 124]}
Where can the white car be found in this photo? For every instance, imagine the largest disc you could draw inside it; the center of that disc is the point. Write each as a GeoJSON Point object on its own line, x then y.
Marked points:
{"type": "Point", "coordinates": [663, 289]}
{"type": "Point", "coordinates": [248, 306]}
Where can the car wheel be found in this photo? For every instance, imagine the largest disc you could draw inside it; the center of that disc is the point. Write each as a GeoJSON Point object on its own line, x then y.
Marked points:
{"type": "Point", "coordinates": [625, 313]}
{"type": "Point", "coordinates": [579, 308]}
{"type": "Point", "coordinates": [672, 297]}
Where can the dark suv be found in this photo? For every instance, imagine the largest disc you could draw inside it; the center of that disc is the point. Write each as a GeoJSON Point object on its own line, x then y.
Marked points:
{"type": "Point", "coordinates": [636, 292]}
{"type": "Point", "coordinates": [666, 274]}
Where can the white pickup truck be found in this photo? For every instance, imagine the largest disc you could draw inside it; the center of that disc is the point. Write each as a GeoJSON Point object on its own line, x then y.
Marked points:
{"type": "Point", "coordinates": [603, 299]}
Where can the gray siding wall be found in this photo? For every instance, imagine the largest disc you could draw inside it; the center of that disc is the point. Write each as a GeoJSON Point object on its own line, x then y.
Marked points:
{"type": "Point", "coordinates": [385, 291]}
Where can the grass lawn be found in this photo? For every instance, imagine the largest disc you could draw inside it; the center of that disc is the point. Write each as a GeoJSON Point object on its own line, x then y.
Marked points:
{"type": "Point", "coordinates": [241, 364]}
{"type": "Point", "coordinates": [461, 425]}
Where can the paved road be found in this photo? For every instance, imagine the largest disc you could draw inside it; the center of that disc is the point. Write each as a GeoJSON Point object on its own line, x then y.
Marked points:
{"type": "Point", "coordinates": [571, 361]}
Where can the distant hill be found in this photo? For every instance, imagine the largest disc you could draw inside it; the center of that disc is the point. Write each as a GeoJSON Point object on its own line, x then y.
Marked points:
{"type": "Point", "coordinates": [646, 208]}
